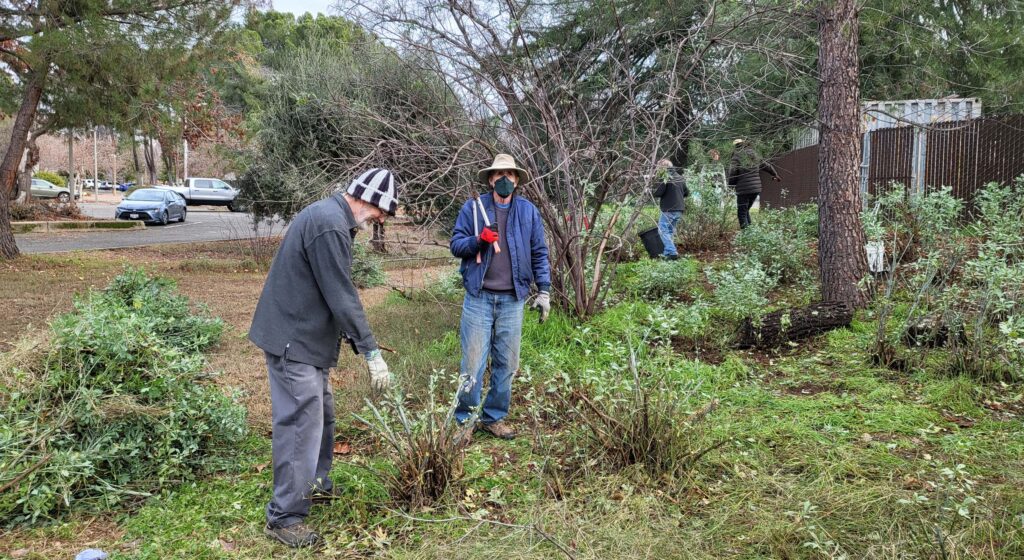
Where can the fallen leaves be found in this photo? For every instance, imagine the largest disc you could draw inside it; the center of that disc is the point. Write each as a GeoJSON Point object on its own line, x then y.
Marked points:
{"type": "Point", "coordinates": [342, 448]}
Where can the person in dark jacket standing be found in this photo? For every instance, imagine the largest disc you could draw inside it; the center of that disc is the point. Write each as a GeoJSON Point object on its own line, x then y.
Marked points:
{"type": "Point", "coordinates": [308, 306]}
{"type": "Point", "coordinates": [500, 238]}
{"type": "Point", "coordinates": [671, 190]}
{"type": "Point", "coordinates": [745, 178]}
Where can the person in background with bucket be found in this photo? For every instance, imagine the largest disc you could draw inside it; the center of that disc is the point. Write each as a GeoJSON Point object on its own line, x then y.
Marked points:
{"type": "Point", "coordinates": [745, 177]}
{"type": "Point", "coordinates": [500, 238]}
{"type": "Point", "coordinates": [672, 191]}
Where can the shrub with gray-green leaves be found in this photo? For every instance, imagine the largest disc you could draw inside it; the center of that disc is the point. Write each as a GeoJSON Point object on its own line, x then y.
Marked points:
{"type": "Point", "coordinates": [783, 242]}
{"type": "Point", "coordinates": [654, 279]}
{"type": "Point", "coordinates": [115, 407]}
{"type": "Point", "coordinates": [957, 286]}
{"type": "Point", "coordinates": [741, 288]}
{"type": "Point", "coordinates": [710, 214]}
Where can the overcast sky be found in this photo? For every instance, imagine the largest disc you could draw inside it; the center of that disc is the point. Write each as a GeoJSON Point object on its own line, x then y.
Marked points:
{"type": "Point", "coordinates": [299, 7]}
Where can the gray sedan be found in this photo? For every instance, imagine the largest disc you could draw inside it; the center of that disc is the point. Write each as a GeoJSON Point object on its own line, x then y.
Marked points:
{"type": "Point", "coordinates": [153, 206]}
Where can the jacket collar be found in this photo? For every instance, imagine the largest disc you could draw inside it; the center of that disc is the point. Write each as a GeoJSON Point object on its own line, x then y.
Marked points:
{"type": "Point", "coordinates": [346, 212]}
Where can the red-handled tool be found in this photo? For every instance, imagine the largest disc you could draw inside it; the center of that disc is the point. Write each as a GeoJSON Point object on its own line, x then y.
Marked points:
{"type": "Point", "coordinates": [487, 223]}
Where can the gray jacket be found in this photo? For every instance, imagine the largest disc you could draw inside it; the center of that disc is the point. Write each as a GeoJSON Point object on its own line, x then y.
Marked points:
{"type": "Point", "coordinates": [309, 301]}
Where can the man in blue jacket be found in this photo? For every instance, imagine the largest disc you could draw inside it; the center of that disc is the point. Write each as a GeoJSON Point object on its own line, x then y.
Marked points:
{"type": "Point", "coordinates": [500, 239]}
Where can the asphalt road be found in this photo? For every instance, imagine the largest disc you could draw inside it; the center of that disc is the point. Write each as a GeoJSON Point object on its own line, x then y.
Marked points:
{"type": "Point", "coordinates": [202, 224]}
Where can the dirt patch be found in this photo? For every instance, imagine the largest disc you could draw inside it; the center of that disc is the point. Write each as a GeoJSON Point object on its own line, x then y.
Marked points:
{"type": "Point", "coordinates": [807, 389]}
{"type": "Point", "coordinates": [698, 350]}
{"type": "Point", "coordinates": [100, 532]}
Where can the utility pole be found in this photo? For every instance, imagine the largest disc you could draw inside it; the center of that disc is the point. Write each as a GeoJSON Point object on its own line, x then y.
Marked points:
{"type": "Point", "coordinates": [185, 170]}
{"type": "Point", "coordinates": [113, 167]}
{"type": "Point", "coordinates": [71, 164]}
{"type": "Point", "coordinates": [95, 168]}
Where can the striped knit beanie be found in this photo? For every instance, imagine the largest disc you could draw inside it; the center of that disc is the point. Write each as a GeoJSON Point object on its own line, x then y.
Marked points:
{"type": "Point", "coordinates": [376, 186]}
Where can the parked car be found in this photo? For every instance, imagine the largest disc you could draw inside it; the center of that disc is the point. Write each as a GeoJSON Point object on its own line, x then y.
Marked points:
{"type": "Point", "coordinates": [125, 186]}
{"type": "Point", "coordinates": [153, 206]}
{"type": "Point", "coordinates": [214, 192]}
{"type": "Point", "coordinates": [41, 188]}
{"type": "Point", "coordinates": [100, 184]}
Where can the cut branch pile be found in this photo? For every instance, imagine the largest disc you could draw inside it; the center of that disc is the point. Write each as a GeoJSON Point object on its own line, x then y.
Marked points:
{"type": "Point", "coordinates": [792, 325]}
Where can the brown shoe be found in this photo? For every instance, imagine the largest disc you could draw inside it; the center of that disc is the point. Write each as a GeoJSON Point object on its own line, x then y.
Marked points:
{"type": "Point", "coordinates": [499, 429]}
{"type": "Point", "coordinates": [298, 535]}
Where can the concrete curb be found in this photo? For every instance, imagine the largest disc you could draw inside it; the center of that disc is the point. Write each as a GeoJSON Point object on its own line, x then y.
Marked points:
{"type": "Point", "coordinates": [79, 225]}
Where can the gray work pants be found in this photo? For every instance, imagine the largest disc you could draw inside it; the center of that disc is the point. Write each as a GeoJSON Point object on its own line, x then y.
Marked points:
{"type": "Point", "coordinates": [302, 408]}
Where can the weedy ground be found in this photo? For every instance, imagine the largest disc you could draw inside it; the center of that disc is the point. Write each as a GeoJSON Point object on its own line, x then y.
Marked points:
{"type": "Point", "coordinates": [821, 455]}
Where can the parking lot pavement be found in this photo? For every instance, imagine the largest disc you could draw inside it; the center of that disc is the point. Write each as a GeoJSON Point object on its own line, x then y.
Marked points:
{"type": "Point", "coordinates": [202, 224]}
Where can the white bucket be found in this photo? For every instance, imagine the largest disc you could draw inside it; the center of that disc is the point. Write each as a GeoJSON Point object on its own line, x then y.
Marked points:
{"type": "Point", "coordinates": [876, 256]}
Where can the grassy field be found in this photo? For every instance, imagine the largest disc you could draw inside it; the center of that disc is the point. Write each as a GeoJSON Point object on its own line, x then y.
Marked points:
{"type": "Point", "coordinates": [822, 454]}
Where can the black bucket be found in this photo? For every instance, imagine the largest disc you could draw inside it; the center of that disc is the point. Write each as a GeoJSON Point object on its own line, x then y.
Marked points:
{"type": "Point", "coordinates": [652, 242]}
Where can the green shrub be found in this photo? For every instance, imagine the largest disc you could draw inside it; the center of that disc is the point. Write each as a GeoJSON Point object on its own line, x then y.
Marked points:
{"type": "Point", "coordinates": [782, 241]}
{"type": "Point", "coordinates": [957, 288]}
{"type": "Point", "coordinates": [367, 267]}
{"type": "Point", "coordinates": [710, 215]}
{"type": "Point", "coordinates": [115, 406]}
{"type": "Point", "coordinates": [741, 288]}
{"type": "Point", "coordinates": [653, 279]}
{"type": "Point", "coordinates": [51, 177]}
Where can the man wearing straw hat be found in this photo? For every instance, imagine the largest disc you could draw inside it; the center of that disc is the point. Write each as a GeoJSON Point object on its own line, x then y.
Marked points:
{"type": "Point", "coordinates": [500, 238]}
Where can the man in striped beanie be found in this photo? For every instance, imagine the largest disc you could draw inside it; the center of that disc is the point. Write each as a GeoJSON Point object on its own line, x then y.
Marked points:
{"type": "Point", "coordinates": [308, 306]}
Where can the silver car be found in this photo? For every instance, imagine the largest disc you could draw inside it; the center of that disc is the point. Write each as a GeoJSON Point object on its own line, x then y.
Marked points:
{"type": "Point", "coordinates": [42, 188]}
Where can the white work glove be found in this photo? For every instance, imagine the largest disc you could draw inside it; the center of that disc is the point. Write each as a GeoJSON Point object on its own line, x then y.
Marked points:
{"type": "Point", "coordinates": [380, 376]}
{"type": "Point", "coordinates": [542, 303]}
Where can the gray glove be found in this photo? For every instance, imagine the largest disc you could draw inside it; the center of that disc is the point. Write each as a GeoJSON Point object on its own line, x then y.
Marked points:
{"type": "Point", "coordinates": [380, 376]}
{"type": "Point", "coordinates": [542, 303]}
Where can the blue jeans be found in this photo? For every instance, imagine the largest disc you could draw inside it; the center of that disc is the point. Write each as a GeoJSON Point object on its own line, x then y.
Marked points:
{"type": "Point", "coordinates": [492, 325]}
{"type": "Point", "coordinates": [667, 228]}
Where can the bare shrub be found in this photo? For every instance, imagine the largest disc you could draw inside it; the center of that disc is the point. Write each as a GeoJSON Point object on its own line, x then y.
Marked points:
{"type": "Point", "coordinates": [654, 426]}
{"type": "Point", "coordinates": [426, 448]}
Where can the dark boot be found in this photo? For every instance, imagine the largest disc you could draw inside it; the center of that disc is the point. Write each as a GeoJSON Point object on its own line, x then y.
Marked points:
{"type": "Point", "coordinates": [295, 536]}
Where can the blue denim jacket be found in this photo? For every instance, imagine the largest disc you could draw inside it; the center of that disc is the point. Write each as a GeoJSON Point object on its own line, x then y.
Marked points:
{"type": "Point", "coordinates": [525, 240]}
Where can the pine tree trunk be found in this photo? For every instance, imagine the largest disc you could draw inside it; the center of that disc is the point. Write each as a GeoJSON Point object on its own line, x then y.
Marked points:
{"type": "Point", "coordinates": [135, 158]}
{"type": "Point", "coordinates": [841, 255]}
{"type": "Point", "coordinates": [12, 159]}
{"type": "Point", "coordinates": [377, 240]}
{"type": "Point", "coordinates": [31, 160]}
{"type": "Point", "coordinates": [147, 151]}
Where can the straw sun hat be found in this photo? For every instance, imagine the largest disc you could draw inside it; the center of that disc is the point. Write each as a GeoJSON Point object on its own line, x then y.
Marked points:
{"type": "Point", "coordinates": [503, 162]}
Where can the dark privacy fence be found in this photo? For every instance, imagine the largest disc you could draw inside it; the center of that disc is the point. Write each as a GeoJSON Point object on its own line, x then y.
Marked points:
{"type": "Point", "coordinates": [963, 155]}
